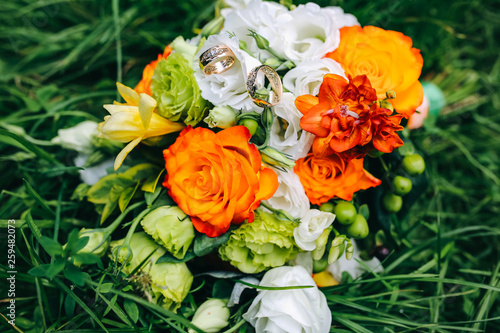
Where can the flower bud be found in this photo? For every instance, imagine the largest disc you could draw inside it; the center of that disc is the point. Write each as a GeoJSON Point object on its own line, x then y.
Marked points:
{"type": "Point", "coordinates": [221, 116]}
{"type": "Point", "coordinates": [211, 316]}
{"type": "Point", "coordinates": [321, 242]}
{"type": "Point", "coordinates": [267, 118]}
{"type": "Point", "coordinates": [213, 27]}
{"type": "Point", "coordinates": [391, 94]}
{"type": "Point", "coordinates": [337, 249]}
{"type": "Point", "coordinates": [386, 105]}
{"type": "Point", "coordinates": [184, 48]}
{"type": "Point", "coordinates": [262, 43]}
{"type": "Point", "coordinates": [171, 228]}
{"type": "Point", "coordinates": [243, 45]}
{"type": "Point", "coordinates": [97, 244]}
{"type": "Point", "coordinates": [276, 158]}
{"type": "Point", "coordinates": [251, 124]}
{"type": "Point", "coordinates": [273, 62]}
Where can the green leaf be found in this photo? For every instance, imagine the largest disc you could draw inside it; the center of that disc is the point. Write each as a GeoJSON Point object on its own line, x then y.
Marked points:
{"type": "Point", "coordinates": [141, 171]}
{"type": "Point", "coordinates": [222, 289]}
{"type": "Point", "coordinates": [86, 258]}
{"type": "Point", "coordinates": [150, 184]}
{"type": "Point", "coordinates": [203, 244]}
{"type": "Point", "coordinates": [48, 270]}
{"type": "Point", "coordinates": [99, 192]}
{"type": "Point", "coordinates": [51, 246]}
{"type": "Point", "coordinates": [126, 196]}
{"type": "Point", "coordinates": [30, 146]}
{"type": "Point", "coordinates": [69, 306]}
{"type": "Point", "coordinates": [105, 288]}
{"type": "Point", "coordinates": [109, 207]}
{"type": "Point", "coordinates": [39, 271]}
{"type": "Point", "coordinates": [364, 211]}
{"type": "Point", "coordinates": [132, 310]}
{"type": "Point", "coordinates": [151, 197]}
{"type": "Point", "coordinates": [75, 275]}
{"type": "Point", "coordinates": [31, 191]}
{"type": "Point", "coordinates": [167, 257]}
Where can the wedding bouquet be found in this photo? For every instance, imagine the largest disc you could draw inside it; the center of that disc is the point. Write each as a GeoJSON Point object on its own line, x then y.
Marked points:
{"type": "Point", "coordinates": [255, 154]}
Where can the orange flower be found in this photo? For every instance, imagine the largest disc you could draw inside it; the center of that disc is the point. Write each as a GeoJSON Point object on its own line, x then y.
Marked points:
{"type": "Point", "coordinates": [217, 178]}
{"type": "Point", "coordinates": [384, 128]}
{"type": "Point", "coordinates": [388, 59]}
{"type": "Point", "coordinates": [144, 85]}
{"type": "Point", "coordinates": [329, 177]}
{"type": "Point", "coordinates": [340, 115]}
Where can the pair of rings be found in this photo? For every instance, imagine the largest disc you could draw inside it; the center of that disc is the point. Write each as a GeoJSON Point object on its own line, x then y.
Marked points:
{"type": "Point", "coordinates": [220, 58]}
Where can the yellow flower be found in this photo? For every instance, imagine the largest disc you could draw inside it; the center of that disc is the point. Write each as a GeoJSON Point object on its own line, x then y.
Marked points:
{"type": "Point", "coordinates": [134, 121]}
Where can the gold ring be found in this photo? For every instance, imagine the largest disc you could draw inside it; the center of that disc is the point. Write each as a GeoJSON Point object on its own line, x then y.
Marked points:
{"type": "Point", "coordinates": [217, 59]}
{"type": "Point", "coordinates": [276, 85]}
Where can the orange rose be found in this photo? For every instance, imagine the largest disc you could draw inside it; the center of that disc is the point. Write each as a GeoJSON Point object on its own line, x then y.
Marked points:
{"type": "Point", "coordinates": [217, 178]}
{"type": "Point", "coordinates": [144, 85]}
{"type": "Point", "coordinates": [388, 59]}
{"type": "Point", "coordinates": [329, 177]}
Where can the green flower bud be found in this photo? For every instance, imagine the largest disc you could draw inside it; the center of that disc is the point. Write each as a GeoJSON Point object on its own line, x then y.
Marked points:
{"type": "Point", "coordinates": [97, 243]}
{"type": "Point", "coordinates": [171, 228]}
{"type": "Point", "coordinates": [267, 242]}
{"type": "Point", "coordinates": [175, 89]}
{"type": "Point", "coordinates": [392, 203]}
{"type": "Point", "coordinates": [221, 116]}
{"type": "Point", "coordinates": [276, 158]}
{"type": "Point", "coordinates": [262, 43]}
{"type": "Point", "coordinates": [321, 242]}
{"type": "Point", "coordinates": [213, 27]}
{"type": "Point", "coordinates": [391, 94]}
{"type": "Point", "coordinates": [386, 105]}
{"type": "Point", "coordinates": [243, 45]}
{"type": "Point", "coordinates": [169, 282]}
{"type": "Point", "coordinates": [211, 316]}
{"type": "Point", "coordinates": [267, 118]}
{"type": "Point", "coordinates": [273, 62]}
{"type": "Point", "coordinates": [251, 124]}
{"type": "Point", "coordinates": [337, 249]}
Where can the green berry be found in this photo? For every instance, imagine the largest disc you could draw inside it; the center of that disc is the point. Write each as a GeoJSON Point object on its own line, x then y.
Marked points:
{"type": "Point", "coordinates": [346, 212]}
{"type": "Point", "coordinates": [392, 203]}
{"type": "Point", "coordinates": [414, 164]}
{"type": "Point", "coordinates": [320, 265]}
{"type": "Point", "coordinates": [359, 228]}
{"type": "Point", "coordinates": [251, 124]}
{"type": "Point", "coordinates": [327, 207]}
{"type": "Point", "coordinates": [401, 185]}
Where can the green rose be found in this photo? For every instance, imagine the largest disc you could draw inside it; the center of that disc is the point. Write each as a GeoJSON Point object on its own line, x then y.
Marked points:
{"type": "Point", "coordinates": [175, 89]}
{"type": "Point", "coordinates": [171, 228]}
{"type": "Point", "coordinates": [170, 282]}
{"type": "Point", "coordinates": [265, 243]}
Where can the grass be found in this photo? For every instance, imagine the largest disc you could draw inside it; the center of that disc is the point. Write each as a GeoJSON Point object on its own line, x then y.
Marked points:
{"type": "Point", "coordinates": [59, 62]}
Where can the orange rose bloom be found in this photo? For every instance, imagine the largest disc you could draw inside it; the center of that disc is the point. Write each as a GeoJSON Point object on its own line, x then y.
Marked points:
{"type": "Point", "coordinates": [217, 178]}
{"type": "Point", "coordinates": [388, 59]}
{"type": "Point", "coordinates": [144, 85]}
{"type": "Point", "coordinates": [329, 177]}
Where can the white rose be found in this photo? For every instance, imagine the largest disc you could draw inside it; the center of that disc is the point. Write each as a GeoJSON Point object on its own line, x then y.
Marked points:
{"type": "Point", "coordinates": [311, 227]}
{"type": "Point", "coordinates": [286, 134]}
{"type": "Point", "coordinates": [77, 137]}
{"type": "Point", "coordinates": [289, 311]}
{"type": "Point", "coordinates": [307, 32]}
{"type": "Point", "coordinates": [307, 77]}
{"type": "Point", "coordinates": [341, 19]}
{"type": "Point", "coordinates": [354, 268]}
{"type": "Point", "coordinates": [211, 316]}
{"type": "Point", "coordinates": [290, 195]}
{"type": "Point", "coordinates": [259, 16]}
{"type": "Point", "coordinates": [227, 88]}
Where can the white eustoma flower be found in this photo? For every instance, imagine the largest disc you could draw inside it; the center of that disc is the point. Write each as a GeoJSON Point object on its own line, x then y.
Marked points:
{"type": "Point", "coordinates": [259, 16]}
{"type": "Point", "coordinates": [341, 19]}
{"type": "Point", "coordinates": [307, 77]}
{"type": "Point", "coordinates": [91, 175]}
{"type": "Point", "coordinates": [77, 137]}
{"type": "Point", "coordinates": [290, 195]}
{"type": "Point", "coordinates": [227, 88]}
{"type": "Point", "coordinates": [307, 32]}
{"type": "Point", "coordinates": [289, 311]}
{"type": "Point", "coordinates": [311, 227]}
{"type": "Point", "coordinates": [286, 134]}
{"type": "Point", "coordinates": [354, 268]}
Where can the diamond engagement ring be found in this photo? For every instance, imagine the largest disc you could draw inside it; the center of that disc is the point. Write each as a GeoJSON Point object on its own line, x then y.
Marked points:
{"type": "Point", "coordinates": [255, 76]}
{"type": "Point", "coordinates": [217, 59]}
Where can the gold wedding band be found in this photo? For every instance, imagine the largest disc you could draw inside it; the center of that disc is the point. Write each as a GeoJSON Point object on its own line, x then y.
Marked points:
{"type": "Point", "coordinates": [275, 81]}
{"type": "Point", "coordinates": [217, 59]}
